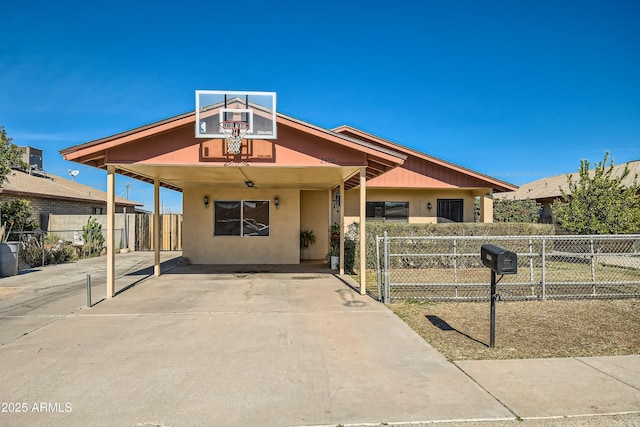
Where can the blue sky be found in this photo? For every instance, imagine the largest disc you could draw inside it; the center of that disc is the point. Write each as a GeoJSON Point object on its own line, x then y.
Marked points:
{"type": "Point", "coordinates": [515, 90]}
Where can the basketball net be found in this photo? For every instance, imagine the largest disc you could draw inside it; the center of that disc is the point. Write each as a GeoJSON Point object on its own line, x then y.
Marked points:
{"type": "Point", "coordinates": [234, 132]}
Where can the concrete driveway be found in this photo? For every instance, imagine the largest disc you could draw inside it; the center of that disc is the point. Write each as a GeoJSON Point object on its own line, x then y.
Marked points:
{"type": "Point", "coordinates": [199, 346]}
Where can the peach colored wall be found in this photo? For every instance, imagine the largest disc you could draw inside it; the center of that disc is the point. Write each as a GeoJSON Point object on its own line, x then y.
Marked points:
{"type": "Point", "coordinates": [417, 172]}
{"type": "Point", "coordinates": [486, 209]}
{"type": "Point", "coordinates": [418, 200]}
{"type": "Point", "coordinates": [314, 215]}
{"type": "Point", "coordinates": [180, 147]}
{"type": "Point", "coordinates": [282, 246]}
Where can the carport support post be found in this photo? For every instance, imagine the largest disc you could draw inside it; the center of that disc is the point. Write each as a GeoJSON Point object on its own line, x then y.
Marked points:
{"type": "Point", "coordinates": [156, 227]}
{"type": "Point", "coordinates": [363, 235]}
{"type": "Point", "coordinates": [111, 223]}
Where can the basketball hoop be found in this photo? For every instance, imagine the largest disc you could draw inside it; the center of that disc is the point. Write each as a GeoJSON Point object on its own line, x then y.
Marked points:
{"type": "Point", "coordinates": [234, 132]}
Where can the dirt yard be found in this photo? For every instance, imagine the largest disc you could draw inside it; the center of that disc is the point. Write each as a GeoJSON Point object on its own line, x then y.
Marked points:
{"type": "Point", "coordinates": [529, 329]}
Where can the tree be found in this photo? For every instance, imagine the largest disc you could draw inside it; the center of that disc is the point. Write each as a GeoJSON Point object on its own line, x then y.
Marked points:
{"type": "Point", "coordinates": [598, 202]}
{"type": "Point", "coordinates": [10, 156]}
{"type": "Point", "coordinates": [16, 215]}
{"type": "Point", "coordinates": [507, 210]}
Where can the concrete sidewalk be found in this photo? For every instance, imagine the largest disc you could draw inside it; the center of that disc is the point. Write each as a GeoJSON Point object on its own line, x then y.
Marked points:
{"type": "Point", "coordinates": [258, 346]}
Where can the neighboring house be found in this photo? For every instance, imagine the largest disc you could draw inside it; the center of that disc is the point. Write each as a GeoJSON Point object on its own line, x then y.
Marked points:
{"type": "Point", "coordinates": [50, 194]}
{"type": "Point", "coordinates": [547, 190]}
{"type": "Point", "coordinates": [249, 208]}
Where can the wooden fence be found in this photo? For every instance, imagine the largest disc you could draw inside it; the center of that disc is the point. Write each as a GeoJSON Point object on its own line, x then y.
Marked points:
{"type": "Point", "coordinates": [170, 232]}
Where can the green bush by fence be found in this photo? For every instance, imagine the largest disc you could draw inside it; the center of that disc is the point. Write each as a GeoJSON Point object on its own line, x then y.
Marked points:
{"type": "Point", "coordinates": [374, 229]}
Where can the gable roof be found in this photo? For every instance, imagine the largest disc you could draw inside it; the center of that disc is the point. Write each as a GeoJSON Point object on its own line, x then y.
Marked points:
{"type": "Point", "coordinates": [54, 187]}
{"type": "Point", "coordinates": [549, 188]}
{"type": "Point", "coordinates": [96, 153]}
{"type": "Point", "coordinates": [461, 175]}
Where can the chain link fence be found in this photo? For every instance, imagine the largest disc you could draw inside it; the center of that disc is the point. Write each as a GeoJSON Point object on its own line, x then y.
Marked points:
{"type": "Point", "coordinates": [449, 268]}
{"type": "Point", "coordinates": [39, 248]}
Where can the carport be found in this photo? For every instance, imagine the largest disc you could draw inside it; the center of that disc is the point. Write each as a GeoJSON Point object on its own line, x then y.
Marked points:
{"type": "Point", "coordinates": [293, 182]}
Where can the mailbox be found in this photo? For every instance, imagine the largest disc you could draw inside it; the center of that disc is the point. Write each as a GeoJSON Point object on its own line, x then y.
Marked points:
{"type": "Point", "coordinates": [500, 260]}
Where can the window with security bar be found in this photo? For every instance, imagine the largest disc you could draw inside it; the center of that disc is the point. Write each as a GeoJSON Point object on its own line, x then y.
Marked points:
{"type": "Point", "coordinates": [450, 210]}
{"type": "Point", "coordinates": [241, 218]}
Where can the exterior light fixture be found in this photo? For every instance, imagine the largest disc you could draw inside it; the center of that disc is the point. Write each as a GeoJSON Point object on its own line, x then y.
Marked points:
{"type": "Point", "coordinates": [206, 202]}
{"type": "Point", "coordinates": [249, 184]}
{"type": "Point", "coordinates": [429, 205]}
{"type": "Point", "coordinates": [336, 201]}
{"type": "Point", "coordinates": [276, 201]}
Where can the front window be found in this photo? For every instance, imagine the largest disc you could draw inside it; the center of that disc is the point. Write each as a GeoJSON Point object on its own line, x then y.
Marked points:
{"type": "Point", "coordinates": [241, 218]}
{"type": "Point", "coordinates": [388, 211]}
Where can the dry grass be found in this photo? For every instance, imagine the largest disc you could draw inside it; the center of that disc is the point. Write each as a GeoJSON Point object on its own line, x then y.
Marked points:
{"type": "Point", "coordinates": [532, 329]}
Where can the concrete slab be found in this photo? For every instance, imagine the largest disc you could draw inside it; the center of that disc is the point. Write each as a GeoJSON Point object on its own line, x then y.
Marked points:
{"type": "Point", "coordinates": [250, 349]}
{"type": "Point", "coordinates": [625, 369]}
{"type": "Point", "coordinates": [42, 295]}
{"type": "Point", "coordinates": [534, 388]}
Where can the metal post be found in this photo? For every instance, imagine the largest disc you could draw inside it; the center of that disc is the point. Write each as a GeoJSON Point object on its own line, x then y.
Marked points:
{"type": "Point", "coordinates": [386, 268]}
{"type": "Point", "coordinates": [492, 333]}
{"type": "Point", "coordinates": [593, 269]}
{"type": "Point", "coordinates": [378, 270]}
{"type": "Point", "coordinates": [455, 269]}
{"type": "Point", "coordinates": [42, 243]}
{"type": "Point", "coordinates": [531, 267]}
{"type": "Point", "coordinates": [544, 269]}
{"type": "Point", "coordinates": [88, 290]}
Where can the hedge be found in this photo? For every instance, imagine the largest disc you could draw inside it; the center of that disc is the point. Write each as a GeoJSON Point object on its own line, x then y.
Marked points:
{"type": "Point", "coordinates": [374, 229]}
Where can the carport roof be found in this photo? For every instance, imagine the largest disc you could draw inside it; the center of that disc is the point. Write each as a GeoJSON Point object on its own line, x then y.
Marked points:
{"type": "Point", "coordinates": [94, 153]}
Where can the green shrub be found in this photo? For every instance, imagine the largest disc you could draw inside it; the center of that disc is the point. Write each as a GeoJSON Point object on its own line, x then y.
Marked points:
{"type": "Point", "coordinates": [93, 238]}
{"type": "Point", "coordinates": [374, 229]}
{"type": "Point", "coordinates": [506, 210]}
{"type": "Point", "coordinates": [61, 254]}
{"type": "Point", "coordinates": [31, 250]}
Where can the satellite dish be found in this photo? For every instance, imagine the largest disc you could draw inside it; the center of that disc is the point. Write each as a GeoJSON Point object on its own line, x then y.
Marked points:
{"type": "Point", "coordinates": [74, 173]}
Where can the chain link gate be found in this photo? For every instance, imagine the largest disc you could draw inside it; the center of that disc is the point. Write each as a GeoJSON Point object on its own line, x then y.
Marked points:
{"type": "Point", "coordinates": [448, 268]}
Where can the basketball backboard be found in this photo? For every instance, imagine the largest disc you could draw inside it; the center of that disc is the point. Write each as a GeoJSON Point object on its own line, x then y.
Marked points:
{"type": "Point", "coordinates": [258, 109]}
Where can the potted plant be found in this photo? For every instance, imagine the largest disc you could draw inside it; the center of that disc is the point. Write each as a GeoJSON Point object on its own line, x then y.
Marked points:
{"type": "Point", "coordinates": [307, 238]}
{"type": "Point", "coordinates": [335, 231]}
{"type": "Point", "coordinates": [334, 255]}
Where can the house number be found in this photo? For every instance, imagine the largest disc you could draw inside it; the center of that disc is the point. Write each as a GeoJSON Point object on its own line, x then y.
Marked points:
{"type": "Point", "coordinates": [327, 159]}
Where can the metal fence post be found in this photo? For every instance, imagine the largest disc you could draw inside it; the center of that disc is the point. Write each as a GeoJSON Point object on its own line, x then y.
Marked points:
{"type": "Point", "coordinates": [544, 268]}
{"type": "Point", "coordinates": [378, 272]}
{"type": "Point", "coordinates": [455, 266]}
{"type": "Point", "coordinates": [593, 268]}
{"type": "Point", "coordinates": [533, 293]}
{"type": "Point", "coordinates": [387, 287]}
{"type": "Point", "coordinates": [42, 243]}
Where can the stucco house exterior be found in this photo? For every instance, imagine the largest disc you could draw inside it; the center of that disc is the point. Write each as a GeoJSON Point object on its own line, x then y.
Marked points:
{"type": "Point", "coordinates": [547, 190]}
{"type": "Point", "coordinates": [249, 208]}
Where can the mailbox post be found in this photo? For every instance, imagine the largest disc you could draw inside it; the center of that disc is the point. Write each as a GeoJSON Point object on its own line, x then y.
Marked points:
{"type": "Point", "coordinates": [502, 262]}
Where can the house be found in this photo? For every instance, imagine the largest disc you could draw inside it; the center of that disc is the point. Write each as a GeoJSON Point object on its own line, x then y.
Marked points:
{"type": "Point", "coordinates": [50, 194]}
{"type": "Point", "coordinates": [547, 190]}
{"type": "Point", "coordinates": [247, 203]}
